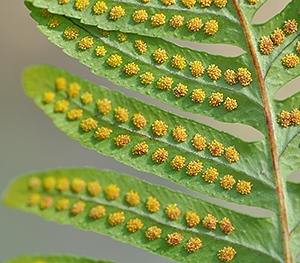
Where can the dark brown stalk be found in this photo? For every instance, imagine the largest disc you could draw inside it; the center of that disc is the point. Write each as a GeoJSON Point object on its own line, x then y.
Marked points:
{"type": "Point", "coordinates": [275, 157]}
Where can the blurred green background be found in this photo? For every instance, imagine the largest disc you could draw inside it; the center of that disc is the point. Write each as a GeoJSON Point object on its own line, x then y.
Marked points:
{"type": "Point", "coordinates": [29, 141]}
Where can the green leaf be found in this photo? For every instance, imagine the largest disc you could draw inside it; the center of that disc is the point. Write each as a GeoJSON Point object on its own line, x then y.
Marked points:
{"type": "Point", "coordinates": [40, 79]}
{"type": "Point", "coordinates": [252, 236]}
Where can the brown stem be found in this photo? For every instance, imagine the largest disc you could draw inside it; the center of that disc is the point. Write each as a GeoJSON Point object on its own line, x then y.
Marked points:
{"type": "Point", "coordinates": [275, 157]}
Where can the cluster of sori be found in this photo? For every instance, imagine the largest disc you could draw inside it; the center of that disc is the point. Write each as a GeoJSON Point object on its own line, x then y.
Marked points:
{"type": "Point", "coordinates": [49, 188]}
{"type": "Point", "coordinates": [286, 118]}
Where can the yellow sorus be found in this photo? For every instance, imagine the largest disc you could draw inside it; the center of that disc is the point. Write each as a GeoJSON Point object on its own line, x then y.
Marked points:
{"type": "Point", "coordinates": [63, 2]}
{"type": "Point", "coordinates": [131, 69]}
{"type": "Point", "coordinates": [102, 133]}
{"type": "Point", "coordinates": [230, 104]}
{"type": "Point", "coordinates": [179, 134]}
{"type": "Point", "coordinates": [33, 199]}
{"type": "Point", "coordinates": [290, 60]}
{"type": "Point", "coordinates": [278, 36]}
{"type": "Point", "coordinates": [158, 20]}
{"type": "Point", "coordinates": [220, 3]}
{"type": "Point", "coordinates": [94, 188]}
{"type": "Point", "coordinates": [180, 90]}
{"type": "Point", "coordinates": [61, 106]}
{"type": "Point", "coordinates": [210, 222]}
{"type": "Point", "coordinates": [122, 140]}
{"type": "Point", "coordinates": [198, 95]}
{"type": "Point", "coordinates": [73, 89]}
{"type": "Point", "coordinates": [295, 117]}
{"type": "Point", "coordinates": [227, 253]}
{"type": "Point", "coordinates": [153, 232]}
{"type": "Point", "coordinates": [114, 61]}
{"type": "Point", "coordinates": [77, 208]}
{"type": "Point", "coordinates": [60, 83]}
{"type": "Point", "coordinates": [244, 187]}
{"type": "Point", "coordinates": [160, 55]}
{"type": "Point", "coordinates": [71, 33]}
{"type": "Point", "coordinates": [205, 3]}
{"type": "Point", "coordinates": [74, 114]}
{"type": "Point", "coordinates": [215, 99]}
{"type": "Point", "coordinates": [122, 37]}
{"type": "Point", "coordinates": [78, 185]}
{"type": "Point", "coordinates": [112, 192]}
{"type": "Point", "coordinates": [86, 98]}
{"type": "Point", "coordinates": [63, 184]}
{"type": "Point", "coordinates": [132, 198]}
{"type": "Point", "coordinates": [104, 106]}
{"type": "Point", "coordinates": [178, 162]}
{"type": "Point", "coordinates": [214, 72]}
{"type": "Point", "coordinates": [34, 182]}
{"type": "Point", "coordinates": [134, 225]}
{"type": "Point", "coordinates": [140, 148]}
{"type": "Point", "coordinates": [266, 45]}
{"type": "Point", "coordinates": [244, 76]}
{"type": "Point", "coordinates": [231, 77]}
{"type": "Point", "coordinates": [194, 167]}
{"type": "Point", "coordinates": [298, 47]}
{"type": "Point", "coordinates": [99, 8]}
{"type": "Point", "coordinates": [62, 204]}
{"type": "Point", "coordinates": [216, 148]}
{"type": "Point", "coordinates": [48, 97]}
{"type": "Point", "coordinates": [164, 83]}
{"type": "Point", "coordinates": [45, 13]}
{"type": "Point", "coordinates": [226, 226]}
{"type": "Point", "coordinates": [81, 4]}
{"type": "Point", "coordinates": [210, 174]}
{"type": "Point", "coordinates": [88, 124]}
{"type": "Point", "coordinates": [188, 3]}
{"type": "Point", "coordinates": [141, 46]}
{"type": "Point", "coordinates": [152, 204]}
{"type": "Point", "coordinates": [284, 118]}
{"type": "Point", "coordinates": [121, 114]}
{"type": "Point", "coordinates": [100, 51]}
{"type": "Point", "coordinates": [178, 62]}
{"type": "Point", "coordinates": [160, 155]}
{"type": "Point", "coordinates": [231, 154]}
{"type": "Point", "coordinates": [290, 26]}
{"type": "Point", "coordinates": [194, 244]}
{"type": "Point", "coordinates": [97, 212]}
{"type": "Point", "coordinates": [211, 27]}
{"type": "Point", "coordinates": [253, 2]}
{"type": "Point", "coordinates": [54, 22]}
{"type": "Point", "coordinates": [196, 68]}
{"type": "Point", "coordinates": [159, 128]}
{"type": "Point", "coordinates": [49, 183]}
{"type": "Point", "coordinates": [146, 78]}
{"type": "Point", "coordinates": [192, 219]}
{"type": "Point", "coordinates": [172, 211]}
{"type": "Point", "coordinates": [174, 239]}
{"type": "Point", "coordinates": [176, 21]}
{"type": "Point", "coordinates": [194, 24]}
{"type": "Point", "coordinates": [116, 218]}
{"type": "Point", "coordinates": [227, 182]}
{"type": "Point", "coordinates": [103, 32]}
{"type": "Point", "coordinates": [46, 202]}
{"type": "Point", "coordinates": [139, 16]}
{"type": "Point", "coordinates": [199, 142]}
{"type": "Point", "coordinates": [168, 2]}
{"type": "Point", "coordinates": [85, 43]}
{"type": "Point", "coordinates": [116, 12]}
{"type": "Point", "coordinates": [139, 120]}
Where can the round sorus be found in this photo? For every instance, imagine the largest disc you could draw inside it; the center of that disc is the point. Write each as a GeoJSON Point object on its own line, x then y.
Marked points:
{"type": "Point", "coordinates": [99, 8]}
{"type": "Point", "coordinates": [34, 182]}
{"type": "Point", "coordinates": [178, 62]}
{"type": "Point", "coordinates": [62, 204]}
{"type": "Point", "coordinates": [77, 208]}
{"type": "Point", "coordinates": [153, 232]}
{"type": "Point", "coordinates": [114, 61]}
{"type": "Point", "coordinates": [266, 45]}
{"type": "Point", "coordinates": [121, 114]}
{"type": "Point", "coordinates": [61, 106]}
{"type": "Point", "coordinates": [112, 192]}
{"type": "Point", "coordinates": [139, 16]}
{"type": "Point", "coordinates": [198, 95]}
{"type": "Point", "coordinates": [103, 32]}
{"type": "Point", "coordinates": [86, 98]}
{"type": "Point", "coordinates": [210, 174]}
{"type": "Point", "coordinates": [121, 37]}
{"type": "Point", "coordinates": [295, 117]}
{"type": "Point", "coordinates": [40, 261]}
{"type": "Point", "coordinates": [199, 142]}
{"type": "Point", "coordinates": [158, 20]}
{"type": "Point", "coordinates": [74, 114]}
{"type": "Point", "coordinates": [48, 97]}
{"type": "Point", "coordinates": [226, 226]}
{"type": "Point", "coordinates": [174, 239]}
{"type": "Point", "coordinates": [141, 46]}
{"type": "Point", "coordinates": [164, 83]}
{"type": "Point", "coordinates": [194, 244]}
{"type": "Point", "coordinates": [210, 222]}
{"type": "Point", "coordinates": [146, 78]}
{"type": "Point", "coordinates": [139, 120]}
{"type": "Point", "coordinates": [100, 51]}
{"type": "Point", "coordinates": [214, 72]}
{"type": "Point", "coordinates": [146, 1]}
{"type": "Point", "coordinates": [290, 60]}
{"type": "Point", "coordinates": [160, 155]}
{"type": "Point", "coordinates": [278, 36]}
{"type": "Point", "coordinates": [116, 218]}
{"type": "Point", "coordinates": [33, 199]}
{"type": "Point", "coordinates": [231, 154]}
{"type": "Point", "coordinates": [71, 33]}
{"type": "Point", "coordinates": [230, 104]}
{"type": "Point", "coordinates": [196, 68]}
{"type": "Point", "coordinates": [160, 55]}
{"type": "Point", "coordinates": [179, 134]}
{"type": "Point", "coordinates": [192, 219]}
{"type": "Point", "coordinates": [152, 204]}
{"type": "Point", "coordinates": [284, 118]}
{"type": "Point", "coordinates": [78, 185]}
{"type": "Point", "coordinates": [227, 253]}
{"type": "Point", "coordinates": [188, 3]}
{"type": "Point", "coordinates": [81, 4]}
{"type": "Point", "coordinates": [227, 182]}
{"type": "Point", "coordinates": [45, 13]}
{"type": "Point", "coordinates": [194, 167]}
{"type": "Point", "coordinates": [134, 225]}
{"type": "Point", "coordinates": [159, 128]}
{"type": "Point", "coordinates": [172, 211]}
{"type": "Point", "coordinates": [178, 162]}
{"type": "Point", "coordinates": [215, 99]}
{"type": "Point", "coordinates": [122, 140]}
{"type": "Point", "coordinates": [298, 47]}
{"type": "Point", "coordinates": [63, 184]}
{"type": "Point", "coordinates": [46, 202]}
{"type": "Point", "coordinates": [73, 89]}
{"type": "Point", "coordinates": [60, 83]}
{"type": "Point", "coordinates": [85, 43]}
{"type": "Point", "coordinates": [290, 26]}
{"type": "Point", "coordinates": [116, 12]}
{"type": "Point", "coordinates": [244, 76]}
{"type": "Point", "coordinates": [176, 21]}
{"type": "Point", "coordinates": [216, 148]}
{"type": "Point", "coordinates": [140, 148]}
{"type": "Point", "coordinates": [231, 77]}
{"type": "Point", "coordinates": [168, 2]}
{"type": "Point", "coordinates": [205, 3]}
{"type": "Point", "coordinates": [194, 24]}
{"type": "Point", "coordinates": [102, 133]}
{"type": "Point", "coordinates": [104, 106]}
{"type": "Point", "coordinates": [220, 3]}
{"type": "Point", "coordinates": [253, 2]}
{"type": "Point", "coordinates": [94, 188]}
{"type": "Point", "coordinates": [211, 27]}
{"type": "Point", "coordinates": [132, 198]}
{"type": "Point", "coordinates": [49, 183]}
{"type": "Point", "coordinates": [97, 212]}
{"type": "Point", "coordinates": [131, 69]}
{"type": "Point", "coordinates": [88, 124]}
{"type": "Point", "coordinates": [244, 187]}
{"type": "Point", "coordinates": [54, 22]}
{"type": "Point", "coordinates": [180, 90]}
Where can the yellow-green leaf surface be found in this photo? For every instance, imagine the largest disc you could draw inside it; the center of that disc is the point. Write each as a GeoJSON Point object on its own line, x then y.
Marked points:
{"type": "Point", "coordinates": [252, 236]}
